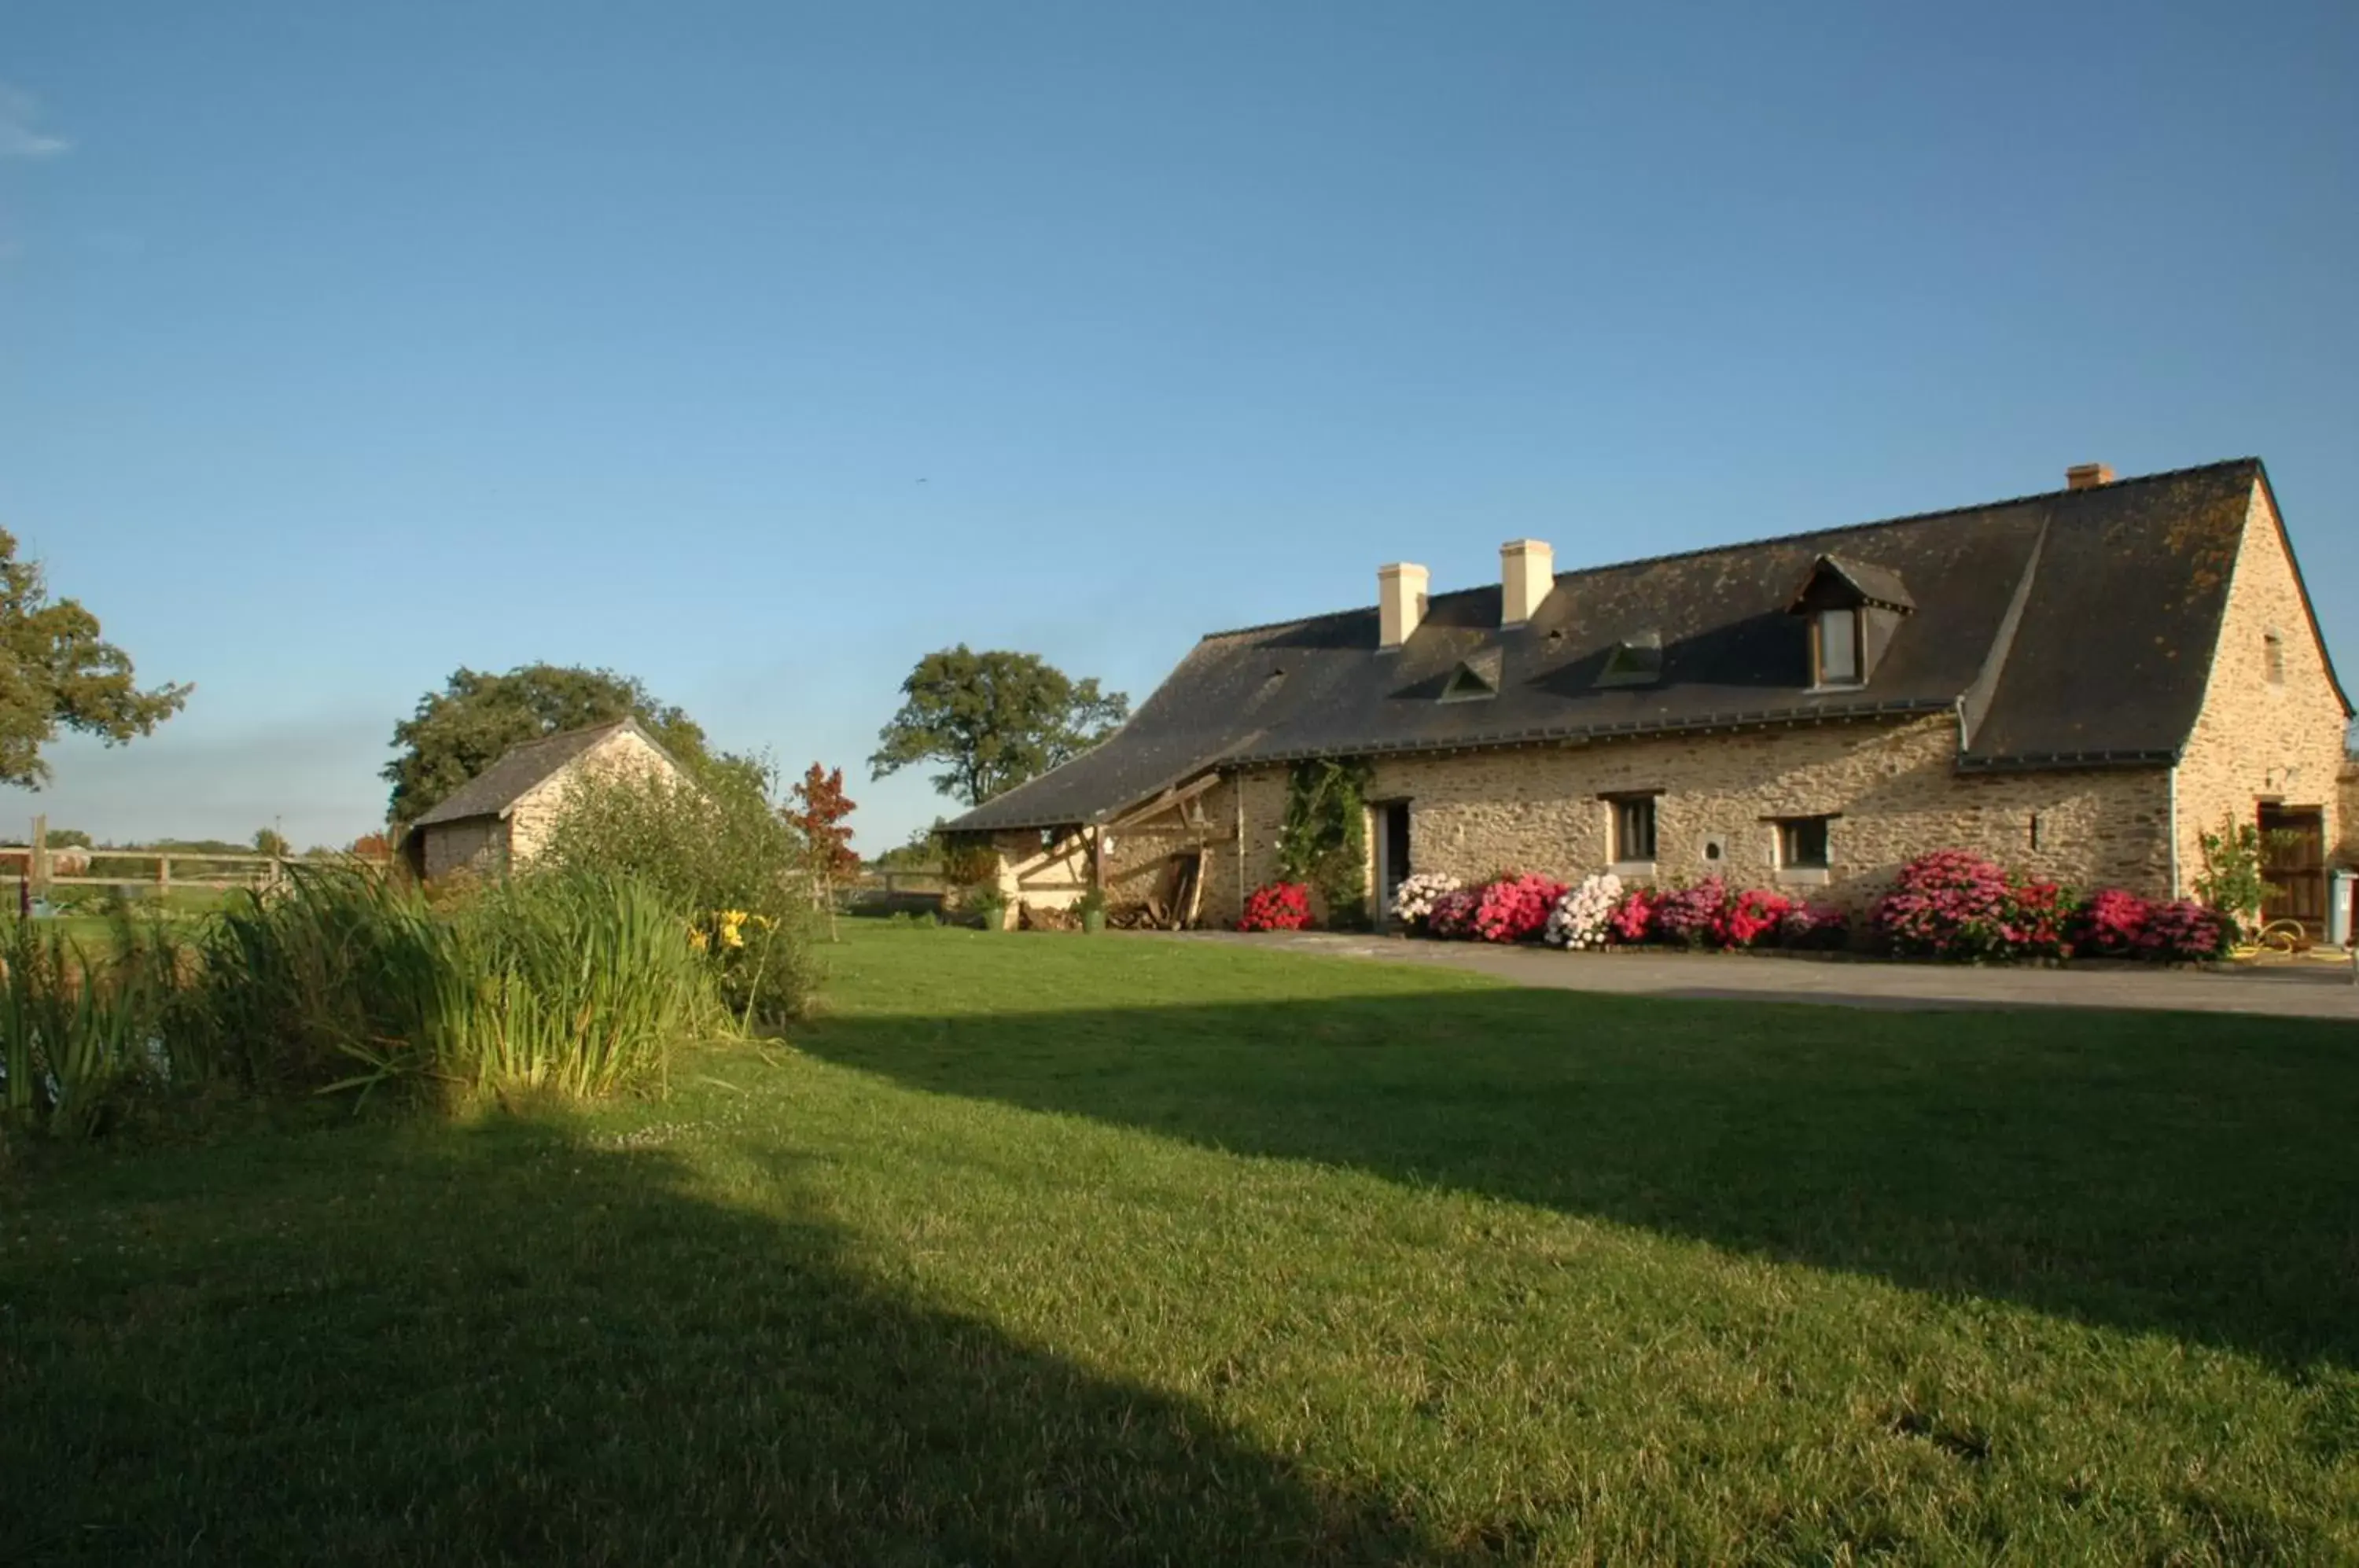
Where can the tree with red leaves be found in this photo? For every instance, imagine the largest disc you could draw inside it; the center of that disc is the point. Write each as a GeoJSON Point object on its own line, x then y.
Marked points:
{"type": "Point", "coordinates": [818, 813]}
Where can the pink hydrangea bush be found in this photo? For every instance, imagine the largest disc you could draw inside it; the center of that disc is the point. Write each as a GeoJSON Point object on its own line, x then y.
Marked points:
{"type": "Point", "coordinates": [2112, 924]}
{"type": "Point", "coordinates": [1949, 904]}
{"type": "Point", "coordinates": [1813, 926]}
{"type": "Point", "coordinates": [1516, 909]}
{"type": "Point", "coordinates": [2184, 931]}
{"type": "Point", "coordinates": [1750, 919]}
{"type": "Point", "coordinates": [1452, 916]}
{"type": "Point", "coordinates": [1277, 907]}
{"type": "Point", "coordinates": [1688, 917]}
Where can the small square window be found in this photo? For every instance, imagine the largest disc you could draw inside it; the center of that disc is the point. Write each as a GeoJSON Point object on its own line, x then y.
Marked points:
{"type": "Point", "coordinates": [1802, 843]}
{"type": "Point", "coordinates": [1634, 828]}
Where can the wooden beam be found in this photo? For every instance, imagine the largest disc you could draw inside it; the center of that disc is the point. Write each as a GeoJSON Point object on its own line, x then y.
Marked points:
{"type": "Point", "coordinates": [1178, 794]}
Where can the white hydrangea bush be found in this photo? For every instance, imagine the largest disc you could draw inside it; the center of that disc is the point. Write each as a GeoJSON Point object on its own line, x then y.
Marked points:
{"type": "Point", "coordinates": [1413, 899]}
{"type": "Point", "coordinates": [1579, 917]}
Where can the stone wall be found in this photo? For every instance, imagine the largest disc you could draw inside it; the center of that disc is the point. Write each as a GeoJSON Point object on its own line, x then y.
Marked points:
{"type": "Point", "coordinates": [1893, 789]}
{"type": "Point", "coordinates": [536, 810]}
{"type": "Point", "coordinates": [475, 845]}
{"type": "Point", "coordinates": [2258, 737]}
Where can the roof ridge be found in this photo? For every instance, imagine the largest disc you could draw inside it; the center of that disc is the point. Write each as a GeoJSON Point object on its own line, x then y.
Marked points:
{"type": "Point", "coordinates": [1795, 537]}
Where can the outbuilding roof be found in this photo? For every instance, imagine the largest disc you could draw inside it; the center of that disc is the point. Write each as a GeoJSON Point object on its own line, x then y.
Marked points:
{"type": "Point", "coordinates": [2070, 629]}
{"type": "Point", "coordinates": [524, 768]}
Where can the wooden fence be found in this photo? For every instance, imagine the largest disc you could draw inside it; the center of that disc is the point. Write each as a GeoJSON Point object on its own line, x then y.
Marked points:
{"type": "Point", "coordinates": [39, 868]}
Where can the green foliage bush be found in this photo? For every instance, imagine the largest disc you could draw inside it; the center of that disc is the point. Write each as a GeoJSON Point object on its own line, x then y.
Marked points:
{"type": "Point", "coordinates": [708, 848]}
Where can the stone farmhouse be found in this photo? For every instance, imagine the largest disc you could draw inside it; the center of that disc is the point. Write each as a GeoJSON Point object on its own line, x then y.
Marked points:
{"type": "Point", "coordinates": [501, 817]}
{"type": "Point", "coordinates": [2078, 683]}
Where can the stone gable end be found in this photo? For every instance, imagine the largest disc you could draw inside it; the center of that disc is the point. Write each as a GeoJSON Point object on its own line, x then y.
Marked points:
{"type": "Point", "coordinates": [2259, 737]}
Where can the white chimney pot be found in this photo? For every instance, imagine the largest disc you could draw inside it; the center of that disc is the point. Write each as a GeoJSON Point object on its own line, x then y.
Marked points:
{"type": "Point", "coordinates": [1400, 602]}
{"type": "Point", "coordinates": [1527, 577]}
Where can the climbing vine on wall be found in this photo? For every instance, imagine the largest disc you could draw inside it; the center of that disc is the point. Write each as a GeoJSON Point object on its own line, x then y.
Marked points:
{"type": "Point", "coordinates": [1324, 840]}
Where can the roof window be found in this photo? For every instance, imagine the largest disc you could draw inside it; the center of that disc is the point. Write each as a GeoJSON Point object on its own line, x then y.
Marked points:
{"type": "Point", "coordinates": [1637, 660]}
{"type": "Point", "coordinates": [1475, 678]}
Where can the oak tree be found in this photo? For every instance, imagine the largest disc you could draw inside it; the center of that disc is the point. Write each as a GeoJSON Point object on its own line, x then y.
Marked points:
{"type": "Point", "coordinates": [57, 672]}
{"type": "Point", "coordinates": [994, 720]}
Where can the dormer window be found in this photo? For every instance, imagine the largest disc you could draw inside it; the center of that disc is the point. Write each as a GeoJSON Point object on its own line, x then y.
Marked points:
{"type": "Point", "coordinates": [1476, 679]}
{"type": "Point", "coordinates": [1637, 660]}
{"type": "Point", "coordinates": [1835, 647]}
{"type": "Point", "coordinates": [1851, 609]}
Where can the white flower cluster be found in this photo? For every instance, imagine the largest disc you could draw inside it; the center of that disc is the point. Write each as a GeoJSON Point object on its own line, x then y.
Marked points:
{"type": "Point", "coordinates": [1413, 899]}
{"type": "Point", "coordinates": [1579, 917]}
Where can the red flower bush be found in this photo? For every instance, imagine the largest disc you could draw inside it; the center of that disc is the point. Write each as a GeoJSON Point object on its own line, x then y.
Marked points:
{"type": "Point", "coordinates": [1751, 916]}
{"type": "Point", "coordinates": [2038, 921]}
{"type": "Point", "coordinates": [1453, 916]}
{"type": "Point", "coordinates": [1278, 907]}
{"type": "Point", "coordinates": [2183, 931]}
{"type": "Point", "coordinates": [2112, 924]}
{"type": "Point", "coordinates": [1948, 904]}
{"type": "Point", "coordinates": [1633, 920]}
{"type": "Point", "coordinates": [1689, 916]}
{"type": "Point", "coordinates": [1516, 909]}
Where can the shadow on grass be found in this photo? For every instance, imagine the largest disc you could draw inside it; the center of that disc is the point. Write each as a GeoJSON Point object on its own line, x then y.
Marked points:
{"type": "Point", "coordinates": [2189, 1175]}
{"type": "Point", "coordinates": [501, 1345]}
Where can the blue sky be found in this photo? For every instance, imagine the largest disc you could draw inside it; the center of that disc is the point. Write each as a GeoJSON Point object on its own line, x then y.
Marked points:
{"type": "Point", "coordinates": [755, 349]}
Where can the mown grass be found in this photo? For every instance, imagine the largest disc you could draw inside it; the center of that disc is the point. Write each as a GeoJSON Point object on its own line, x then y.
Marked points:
{"type": "Point", "coordinates": [1055, 1249]}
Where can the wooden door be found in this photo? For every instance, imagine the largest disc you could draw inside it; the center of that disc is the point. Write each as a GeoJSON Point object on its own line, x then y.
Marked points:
{"type": "Point", "coordinates": [2293, 862]}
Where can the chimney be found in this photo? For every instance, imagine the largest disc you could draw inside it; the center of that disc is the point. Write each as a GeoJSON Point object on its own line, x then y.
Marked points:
{"type": "Point", "coordinates": [1400, 602]}
{"type": "Point", "coordinates": [1526, 574]}
{"type": "Point", "coordinates": [2087, 476]}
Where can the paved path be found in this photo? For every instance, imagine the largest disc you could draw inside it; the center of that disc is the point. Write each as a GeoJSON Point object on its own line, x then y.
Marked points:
{"type": "Point", "coordinates": [2303, 990]}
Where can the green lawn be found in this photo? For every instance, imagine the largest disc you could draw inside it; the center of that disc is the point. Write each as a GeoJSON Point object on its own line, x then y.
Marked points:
{"type": "Point", "coordinates": [1056, 1249]}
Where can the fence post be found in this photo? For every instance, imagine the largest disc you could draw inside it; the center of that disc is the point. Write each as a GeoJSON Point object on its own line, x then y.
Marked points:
{"type": "Point", "coordinates": [163, 875]}
{"type": "Point", "coordinates": [37, 863]}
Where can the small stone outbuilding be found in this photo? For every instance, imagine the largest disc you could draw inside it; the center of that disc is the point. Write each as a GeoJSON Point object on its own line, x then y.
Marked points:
{"type": "Point", "coordinates": [501, 817]}
{"type": "Point", "coordinates": [2079, 684]}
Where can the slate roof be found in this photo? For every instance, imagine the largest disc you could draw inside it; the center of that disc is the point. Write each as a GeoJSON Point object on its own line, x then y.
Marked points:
{"type": "Point", "coordinates": [491, 792]}
{"type": "Point", "coordinates": [2071, 629]}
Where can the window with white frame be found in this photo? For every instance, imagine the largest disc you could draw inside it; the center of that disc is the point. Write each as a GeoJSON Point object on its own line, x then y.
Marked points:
{"type": "Point", "coordinates": [1634, 828]}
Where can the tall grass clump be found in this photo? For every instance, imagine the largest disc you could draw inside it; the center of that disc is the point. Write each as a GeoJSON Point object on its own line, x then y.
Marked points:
{"type": "Point", "coordinates": [573, 982]}
{"type": "Point", "coordinates": [81, 1026]}
{"type": "Point", "coordinates": [716, 849]}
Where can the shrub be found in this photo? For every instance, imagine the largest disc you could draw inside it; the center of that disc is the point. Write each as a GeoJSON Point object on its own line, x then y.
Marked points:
{"type": "Point", "coordinates": [1813, 927]}
{"type": "Point", "coordinates": [2230, 881]}
{"type": "Point", "coordinates": [1690, 915]}
{"type": "Point", "coordinates": [1948, 904]}
{"type": "Point", "coordinates": [714, 846]}
{"type": "Point", "coordinates": [2112, 924]}
{"type": "Point", "coordinates": [2038, 921]}
{"type": "Point", "coordinates": [1413, 899]}
{"type": "Point", "coordinates": [1277, 906]}
{"type": "Point", "coordinates": [1750, 917]}
{"type": "Point", "coordinates": [1516, 909]}
{"type": "Point", "coordinates": [1453, 917]}
{"type": "Point", "coordinates": [1633, 920]}
{"type": "Point", "coordinates": [2184, 931]}
{"type": "Point", "coordinates": [1580, 914]}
